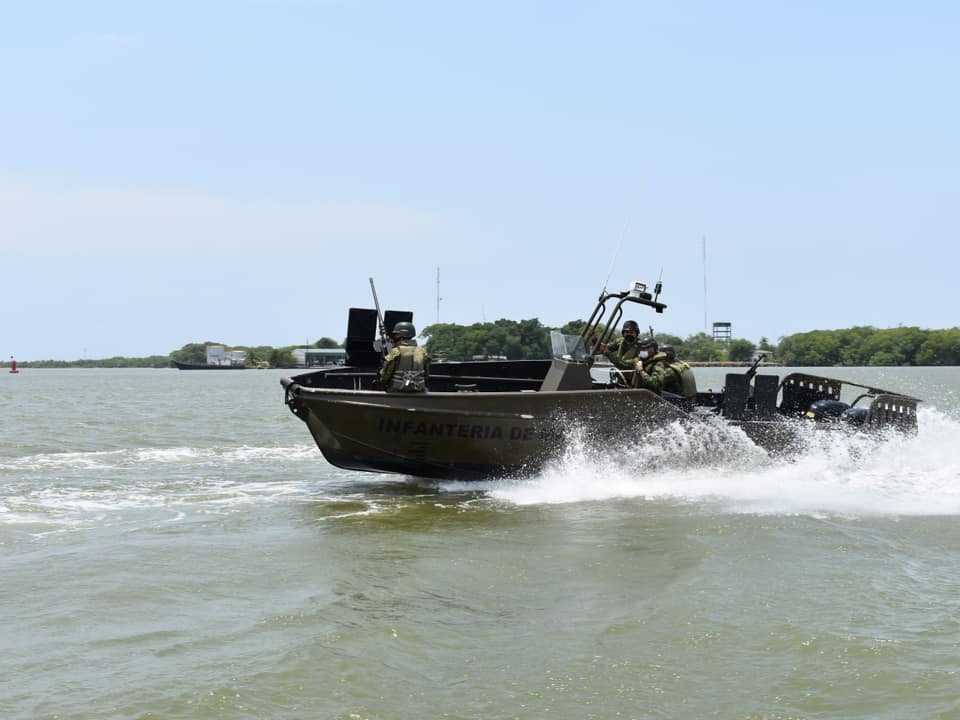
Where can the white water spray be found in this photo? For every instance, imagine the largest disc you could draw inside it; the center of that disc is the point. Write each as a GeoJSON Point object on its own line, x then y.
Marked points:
{"type": "Point", "coordinates": [720, 469]}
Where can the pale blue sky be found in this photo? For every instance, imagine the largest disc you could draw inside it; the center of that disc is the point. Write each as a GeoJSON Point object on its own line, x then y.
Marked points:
{"type": "Point", "coordinates": [173, 172]}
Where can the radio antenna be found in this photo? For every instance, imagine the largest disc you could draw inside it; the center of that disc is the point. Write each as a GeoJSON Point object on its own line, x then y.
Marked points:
{"type": "Point", "coordinates": [613, 260]}
{"type": "Point", "coordinates": [704, 283]}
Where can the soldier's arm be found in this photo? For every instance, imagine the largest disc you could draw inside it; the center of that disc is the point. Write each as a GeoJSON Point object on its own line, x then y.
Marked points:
{"type": "Point", "coordinates": [389, 364]}
{"type": "Point", "coordinates": [611, 352]}
{"type": "Point", "coordinates": [652, 380]}
{"type": "Point", "coordinates": [624, 363]}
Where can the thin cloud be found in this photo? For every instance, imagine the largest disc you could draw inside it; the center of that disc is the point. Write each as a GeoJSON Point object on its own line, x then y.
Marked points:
{"type": "Point", "coordinates": [50, 220]}
{"type": "Point", "coordinates": [120, 39]}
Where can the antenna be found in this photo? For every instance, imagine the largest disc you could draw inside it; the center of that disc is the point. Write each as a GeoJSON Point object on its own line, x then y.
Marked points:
{"type": "Point", "coordinates": [438, 296]}
{"type": "Point", "coordinates": [613, 260]}
{"type": "Point", "coordinates": [704, 283]}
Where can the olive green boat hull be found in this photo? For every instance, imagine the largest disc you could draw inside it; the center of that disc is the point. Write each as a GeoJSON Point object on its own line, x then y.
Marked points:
{"type": "Point", "coordinates": [475, 435]}
{"type": "Point", "coordinates": [464, 435]}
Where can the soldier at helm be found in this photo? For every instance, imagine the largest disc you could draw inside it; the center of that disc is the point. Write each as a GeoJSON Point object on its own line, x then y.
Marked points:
{"type": "Point", "coordinates": [662, 372]}
{"type": "Point", "coordinates": [622, 352]}
{"type": "Point", "coordinates": [407, 366]}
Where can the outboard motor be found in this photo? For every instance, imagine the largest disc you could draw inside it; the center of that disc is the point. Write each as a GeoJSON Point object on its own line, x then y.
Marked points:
{"type": "Point", "coordinates": [822, 410]}
{"type": "Point", "coordinates": [854, 415]}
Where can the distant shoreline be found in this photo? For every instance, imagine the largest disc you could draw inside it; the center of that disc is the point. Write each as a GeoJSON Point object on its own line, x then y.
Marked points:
{"type": "Point", "coordinates": [737, 363]}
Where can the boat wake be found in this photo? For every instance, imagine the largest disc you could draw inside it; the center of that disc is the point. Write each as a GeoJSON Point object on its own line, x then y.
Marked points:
{"type": "Point", "coordinates": [835, 474]}
{"type": "Point", "coordinates": [66, 462]}
{"type": "Point", "coordinates": [60, 491]}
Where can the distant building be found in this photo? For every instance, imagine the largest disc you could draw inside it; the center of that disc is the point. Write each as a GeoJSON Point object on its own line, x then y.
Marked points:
{"type": "Point", "coordinates": [217, 355]}
{"type": "Point", "coordinates": [323, 356]}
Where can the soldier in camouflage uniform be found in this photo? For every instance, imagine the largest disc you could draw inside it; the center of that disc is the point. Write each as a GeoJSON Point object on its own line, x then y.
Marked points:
{"type": "Point", "coordinates": [407, 366]}
{"type": "Point", "coordinates": [622, 352]}
{"type": "Point", "coordinates": [662, 372]}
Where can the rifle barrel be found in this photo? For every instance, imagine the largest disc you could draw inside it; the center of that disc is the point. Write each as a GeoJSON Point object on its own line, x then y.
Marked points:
{"type": "Point", "coordinates": [383, 330]}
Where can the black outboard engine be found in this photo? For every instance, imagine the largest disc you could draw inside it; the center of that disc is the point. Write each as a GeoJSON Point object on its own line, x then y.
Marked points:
{"type": "Point", "coordinates": [854, 415]}
{"type": "Point", "coordinates": [822, 410]}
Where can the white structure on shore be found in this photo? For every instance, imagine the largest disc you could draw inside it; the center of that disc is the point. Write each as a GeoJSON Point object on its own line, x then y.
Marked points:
{"type": "Point", "coordinates": [310, 357]}
{"type": "Point", "coordinates": [217, 355]}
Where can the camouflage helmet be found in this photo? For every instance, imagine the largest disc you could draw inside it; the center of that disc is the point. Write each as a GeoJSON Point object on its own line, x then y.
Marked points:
{"type": "Point", "coordinates": [647, 342]}
{"type": "Point", "coordinates": [404, 329]}
{"type": "Point", "coordinates": [630, 325]}
{"type": "Point", "coordinates": [670, 351]}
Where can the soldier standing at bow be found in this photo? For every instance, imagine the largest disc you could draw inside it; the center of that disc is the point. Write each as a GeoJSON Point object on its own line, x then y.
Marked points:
{"type": "Point", "coordinates": [407, 366]}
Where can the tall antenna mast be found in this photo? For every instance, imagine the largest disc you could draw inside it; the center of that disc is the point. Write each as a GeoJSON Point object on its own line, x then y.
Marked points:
{"type": "Point", "coordinates": [438, 296]}
{"type": "Point", "coordinates": [704, 283]}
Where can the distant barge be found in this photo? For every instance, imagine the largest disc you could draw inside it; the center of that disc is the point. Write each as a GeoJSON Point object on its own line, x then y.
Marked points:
{"type": "Point", "coordinates": [205, 366]}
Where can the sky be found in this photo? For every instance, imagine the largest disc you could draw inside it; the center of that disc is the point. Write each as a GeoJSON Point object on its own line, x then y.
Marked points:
{"type": "Point", "coordinates": [176, 172]}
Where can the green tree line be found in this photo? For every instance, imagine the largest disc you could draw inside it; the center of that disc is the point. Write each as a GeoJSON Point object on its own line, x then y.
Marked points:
{"type": "Point", "coordinates": [871, 346]}
{"type": "Point", "coordinates": [189, 353]}
{"type": "Point", "coordinates": [516, 340]}
{"type": "Point", "coordinates": [857, 346]}
{"type": "Point", "coordinates": [530, 339]}
{"type": "Point", "coordinates": [152, 361]}
{"type": "Point", "coordinates": [256, 354]}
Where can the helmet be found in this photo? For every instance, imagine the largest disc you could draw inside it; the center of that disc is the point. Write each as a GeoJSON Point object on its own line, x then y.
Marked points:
{"type": "Point", "coordinates": [670, 351]}
{"type": "Point", "coordinates": [405, 329]}
{"type": "Point", "coordinates": [647, 342]}
{"type": "Point", "coordinates": [630, 325]}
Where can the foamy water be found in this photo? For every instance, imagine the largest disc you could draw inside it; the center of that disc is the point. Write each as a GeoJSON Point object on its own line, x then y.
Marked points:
{"type": "Point", "coordinates": [71, 490]}
{"type": "Point", "coordinates": [837, 473]}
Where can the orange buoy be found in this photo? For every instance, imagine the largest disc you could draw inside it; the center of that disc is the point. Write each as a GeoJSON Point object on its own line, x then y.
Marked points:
{"type": "Point", "coordinates": [13, 365]}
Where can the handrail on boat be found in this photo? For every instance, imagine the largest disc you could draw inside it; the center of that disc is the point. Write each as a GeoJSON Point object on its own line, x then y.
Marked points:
{"type": "Point", "coordinates": [637, 294]}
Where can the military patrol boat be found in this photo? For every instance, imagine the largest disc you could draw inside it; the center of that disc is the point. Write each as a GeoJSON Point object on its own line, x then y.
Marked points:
{"type": "Point", "coordinates": [497, 418]}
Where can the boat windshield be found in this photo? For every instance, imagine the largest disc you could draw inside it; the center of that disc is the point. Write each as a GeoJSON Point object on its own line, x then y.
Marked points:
{"type": "Point", "coordinates": [567, 347]}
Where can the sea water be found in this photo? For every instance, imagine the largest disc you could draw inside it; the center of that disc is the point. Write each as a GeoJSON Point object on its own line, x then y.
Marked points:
{"type": "Point", "coordinates": [173, 545]}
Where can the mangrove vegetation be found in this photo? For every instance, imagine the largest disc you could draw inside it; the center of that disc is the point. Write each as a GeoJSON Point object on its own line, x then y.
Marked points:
{"type": "Point", "coordinates": [530, 339]}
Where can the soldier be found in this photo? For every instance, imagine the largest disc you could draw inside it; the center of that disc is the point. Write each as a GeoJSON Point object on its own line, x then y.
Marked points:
{"type": "Point", "coordinates": [407, 366]}
{"type": "Point", "coordinates": [687, 380]}
{"type": "Point", "coordinates": [663, 372]}
{"type": "Point", "coordinates": [622, 352]}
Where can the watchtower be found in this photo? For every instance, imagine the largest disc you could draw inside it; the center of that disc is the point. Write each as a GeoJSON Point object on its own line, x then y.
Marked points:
{"type": "Point", "coordinates": [722, 332]}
